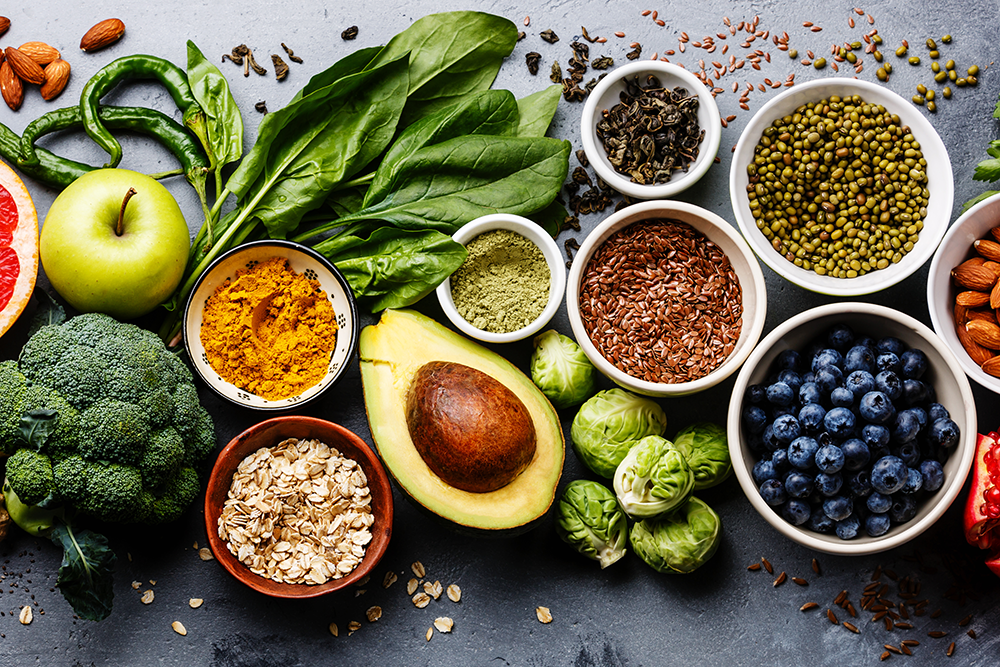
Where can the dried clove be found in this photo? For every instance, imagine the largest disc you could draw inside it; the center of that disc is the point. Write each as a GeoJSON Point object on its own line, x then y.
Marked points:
{"type": "Point", "coordinates": [549, 36]}
{"type": "Point", "coordinates": [261, 107]}
{"type": "Point", "coordinates": [350, 33]}
{"type": "Point", "coordinates": [532, 59]}
{"type": "Point", "coordinates": [291, 54]}
{"type": "Point", "coordinates": [280, 67]}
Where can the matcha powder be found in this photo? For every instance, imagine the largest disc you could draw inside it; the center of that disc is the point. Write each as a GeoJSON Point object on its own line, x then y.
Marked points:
{"type": "Point", "coordinates": [503, 285]}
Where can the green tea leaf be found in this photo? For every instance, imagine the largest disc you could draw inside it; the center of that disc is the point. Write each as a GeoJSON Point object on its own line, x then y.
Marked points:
{"type": "Point", "coordinates": [86, 574]}
{"type": "Point", "coordinates": [211, 91]}
{"type": "Point", "coordinates": [536, 111]}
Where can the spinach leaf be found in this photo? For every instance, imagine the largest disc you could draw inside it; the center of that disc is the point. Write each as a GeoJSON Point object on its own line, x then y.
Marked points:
{"type": "Point", "coordinates": [349, 64]}
{"type": "Point", "coordinates": [446, 185]}
{"type": "Point", "coordinates": [451, 55]}
{"type": "Point", "coordinates": [551, 218]}
{"type": "Point", "coordinates": [486, 112]}
{"type": "Point", "coordinates": [86, 574]}
{"type": "Point", "coordinates": [393, 267]}
{"type": "Point", "coordinates": [347, 201]}
{"type": "Point", "coordinates": [223, 119]}
{"type": "Point", "coordinates": [308, 147]}
{"type": "Point", "coordinates": [536, 111]}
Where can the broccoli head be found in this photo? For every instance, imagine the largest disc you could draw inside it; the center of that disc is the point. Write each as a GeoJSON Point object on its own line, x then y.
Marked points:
{"type": "Point", "coordinates": [113, 492]}
{"type": "Point", "coordinates": [30, 473]}
{"type": "Point", "coordinates": [12, 390]}
{"type": "Point", "coordinates": [162, 458]}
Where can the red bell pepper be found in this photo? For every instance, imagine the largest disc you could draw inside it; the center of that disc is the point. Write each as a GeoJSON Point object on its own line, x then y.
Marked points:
{"type": "Point", "coordinates": [982, 509]}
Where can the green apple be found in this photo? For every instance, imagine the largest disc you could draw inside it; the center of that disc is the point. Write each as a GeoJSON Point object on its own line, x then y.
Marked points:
{"type": "Point", "coordinates": [107, 251]}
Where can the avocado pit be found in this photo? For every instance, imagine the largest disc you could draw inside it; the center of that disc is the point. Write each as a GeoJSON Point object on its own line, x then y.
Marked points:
{"type": "Point", "coordinates": [470, 429]}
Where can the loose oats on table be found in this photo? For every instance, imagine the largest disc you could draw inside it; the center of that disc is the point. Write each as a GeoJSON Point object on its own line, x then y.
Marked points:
{"type": "Point", "coordinates": [454, 593]}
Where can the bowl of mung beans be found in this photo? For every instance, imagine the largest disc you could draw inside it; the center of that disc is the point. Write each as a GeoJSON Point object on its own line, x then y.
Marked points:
{"type": "Point", "coordinates": [841, 186]}
{"type": "Point", "coordinates": [666, 298]}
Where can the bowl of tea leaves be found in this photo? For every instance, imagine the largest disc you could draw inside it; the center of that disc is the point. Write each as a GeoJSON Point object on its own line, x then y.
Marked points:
{"type": "Point", "coordinates": [651, 129]}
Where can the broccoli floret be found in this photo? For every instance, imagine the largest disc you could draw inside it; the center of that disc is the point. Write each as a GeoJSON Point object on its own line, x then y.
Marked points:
{"type": "Point", "coordinates": [158, 407]}
{"type": "Point", "coordinates": [44, 349]}
{"type": "Point", "coordinates": [180, 492]}
{"type": "Point", "coordinates": [200, 441]}
{"type": "Point", "coordinates": [30, 475]}
{"type": "Point", "coordinates": [12, 389]}
{"type": "Point", "coordinates": [70, 476]}
{"type": "Point", "coordinates": [119, 431]}
{"type": "Point", "coordinates": [80, 375]}
{"type": "Point", "coordinates": [163, 457]}
{"type": "Point", "coordinates": [113, 492]}
{"type": "Point", "coordinates": [66, 436]}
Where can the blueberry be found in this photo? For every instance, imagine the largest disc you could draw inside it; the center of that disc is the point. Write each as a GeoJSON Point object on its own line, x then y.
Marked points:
{"type": "Point", "coordinates": [877, 525]}
{"type": "Point", "coordinates": [826, 357]}
{"type": "Point", "coordinates": [914, 363]}
{"type": "Point", "coordinates": [866, 341]}
{"type": "Point", "coordinates": [840, 337]}
{"type": "Point", "coordinates": [820, 523]}
{"type": "Point", "coordinates": [789, 360]}
{"type": "Point", "coordinates": [922, 417]}
{"type": "Point", "coordinates": [936, 411]}
{"type": "Point", "coordinates": [786, 428]}
{"type": "Point", "coordinates": [887, 361]}
{"type": "Point", "coordinates": [796, 512]}
{"type": "Point", "coordinates": [802, 452]}
{"type": "Point", "coordinates": [772, 491]}
{"type": "Point", "coordinates": [842, 397]}
{"type": "Point", "coordinates": [830, 459]}
{"type": "Point", "coordinates": [811, 417]}
{"type": "Point", "coordinates": [848, 528]}
{"type": "Point", "coordinates": [914, 392]}
{"type": "Point", "coordinates": [876, 407]}
{"type": "Point", "coordinates": [874, 435]}
{"type": "Point", "coordinates": [860, 382]}
{"type": "Point", "coordinates": [779, 458]}
{"type": "Point", "coordinates": [909, 453]}
{"type": "Point", "coordinates": [856, 454]}
{"type": "Point", "coordinates": [754, 419]}
{"type": "Point", "coordinates": [914, 481]}
{"type": "Point", "coordinates": [828, 484]}
{"type": "Point", "coordinates": [859, 358]}
{"type": "Point", "coordinates": [889, 384]}
{"type": "Point", "coordinates": [792, 379]}
{"type": "Point", "coordinates": [839, 422]}
{"type": "Point", "coordinates": [904, 508]}
{"type": "Point", "coordinates": [755, 441]}
{"type": "Point", "coordinates": [859, 484]}
{"type": "Point", "coordinates": [756, 393]}
{"type": "Point", "coordinates": [829, 377]}
{"type": "Point", "coordinates": [808, 376]}
{"type": "Point", "coordinates": [933, 474]}
{"type": "Point", "coordinates": [810, 392]}
{"type": "Point", "coordinates": [763, 470]}
{"type": "Point", "coordinates": [770, 441]}
{"type": "Point", "coordinates": [879, 503]}
{"type": "Point", "coordinates": [890, 344]}
{"type": "Point", "coordinates": [889, 474]}
{"type": "Point", "coordinates": [780, 410]}
{"type": "Point", "coordinates": [780, 393]}
{"type": "Point", "coordinates": [838, 508]}
{"type": "Point", "coordinates": [798, 484]}
{"type": "Point", "coordinates": [944, 433]}
{"type": "Point", "coordinates": [905, 427]}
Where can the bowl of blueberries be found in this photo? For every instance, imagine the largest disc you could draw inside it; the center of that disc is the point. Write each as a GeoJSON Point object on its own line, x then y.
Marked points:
{"type": "Point", "coordinates": [852, 428]}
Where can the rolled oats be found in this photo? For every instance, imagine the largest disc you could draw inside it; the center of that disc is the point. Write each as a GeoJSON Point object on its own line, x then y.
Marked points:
{"type": "Point", "coordinates": [444, 624]}
{"type": "Point", "coordinates": [421, 600]}
{"type": "Point", "coordinates": [179, 628]}
{"type": "Point", "coordinates": [353, 627]}
{"type": "Point", "coordinates": [454, 593]}
{"type": "Point", "coordinates": [194, 603]}
{"type": "Point", "coordinates": [411, 586]}
{"type": "Point", "coordinates": [430, 633]}
{"type": "Point", "coordinates": [418, 569]}
{"type": "Point", "coordinates": [147, 597]}
{"type": "Point", "coordinates": [25, 616]}
{"type": "Point", "coordinates": [390, 579]}
{"type": "Point", "coordinates": [374, 613]}
{"type": "Point", "coordinates": [543, 614]}
{"type": "Point", "coordinates": [334, 630]}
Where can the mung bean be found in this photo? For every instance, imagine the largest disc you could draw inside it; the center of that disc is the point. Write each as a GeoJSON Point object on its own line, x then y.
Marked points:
{"type": "Point", "coordinates": [947, 91]}
{"type": "Point", "coordinates": [922, 89]}
{"type": "Point", "coordinates": [971, 80]}
{"type": "Point", "coordinates": [914, 60]}
{"type": "Point", "coordinates": [901, 51]}
{"type": "Point", "coordinates": [878, 56]}
{"type": "Point", "coordinates": [950, 64]}
{"type": "Point", "coordinates": [935, 67]}
{"type": "Point", "coordinates": [973, 71]}
{"type": "Point", "coordinates": [931, 107]}
{"type": "Point", "coordinates": [960, 82]}
{"type": "Point", "coordinates": [953, 75]}
{"type": "Point", "coordinates": [929, 95]}
{"type": "Point", "coordinates": [946, 39]}
{"type": "Point", "coordinates": [935, 54]}
{"type": "Point", "coordinates": [819, 63]}
{"type": "Point", "coordinates": [931, 44]}
{"type": "Point", "coordinates": [918, 100]}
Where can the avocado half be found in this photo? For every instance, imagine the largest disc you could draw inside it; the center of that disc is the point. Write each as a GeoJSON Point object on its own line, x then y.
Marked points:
{"type": "Point", "coordinates": [392, 352]}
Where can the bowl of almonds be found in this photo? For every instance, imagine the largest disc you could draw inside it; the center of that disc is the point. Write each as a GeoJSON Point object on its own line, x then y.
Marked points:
{"type": "Point", "coordinates": [298, 507]}
{"type": "Point", "coordinates": [963, 292]}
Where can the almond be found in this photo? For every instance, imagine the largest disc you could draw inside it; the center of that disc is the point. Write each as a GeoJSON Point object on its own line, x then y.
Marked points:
{"type": "Point", "coordinates": [977, 352]}
{"type": "Point", "coordinates": [976, 278]}
{"type": "Point", "coordinates": [4, 24]}
{"type": "Point", "coordinates": [991, 366]}
{"type": "Point", "coordinates": [972, 299]}
{"type": "Point", "coordinates": [40, 52]}
{"type": "Point", "coordinates": [961, 314]}
{"type": "Point", "coordinates": [105, 33]}
{"type": "Point", "coordinates": [973, 261]}
{"type": "Point", "coordinates": [992, 266]}
{"type": "Point", "coordinates": [985, 333]}
{"type": "Point", "coordinates": [996, 233]}
{"type": "Point", "coordinates": [984, 315]}
{"type": "Point", "coordinates": [988, 249]}
{"type": "Point", "coordinates": [56, 78]}
{"type": "Point", "coordinates": [995, 297]}
{"type": "Point", "coordinates": [11, 87]}
{"type": "Point", "coordinates": [24, 67]}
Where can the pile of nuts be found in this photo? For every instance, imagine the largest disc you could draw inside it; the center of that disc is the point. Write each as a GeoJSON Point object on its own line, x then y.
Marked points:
{"type": "Point", "coordinates": [976, 307]}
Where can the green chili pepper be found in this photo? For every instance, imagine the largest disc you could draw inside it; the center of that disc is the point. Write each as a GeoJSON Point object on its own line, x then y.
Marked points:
{"type": "Point", "coordinates": [52, 170]}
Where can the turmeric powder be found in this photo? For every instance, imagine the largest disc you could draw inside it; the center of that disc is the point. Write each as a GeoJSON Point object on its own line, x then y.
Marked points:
{"type": "Point", "coordinates": [296, 329]}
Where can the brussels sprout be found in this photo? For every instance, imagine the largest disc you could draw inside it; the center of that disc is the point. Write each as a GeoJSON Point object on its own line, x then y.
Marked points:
{"type": "Point", "coordinates": [608, 424]}
{"type": "Point", "coordinates": [561, 370]}
{"type": "Point", "coordinates": [590, 521]}
{"type": "Point", "coordinates": [679, 542]}
{"type": "Point", "coordinates": [653, 478]}
{"type": "Point", "coordinates": [706, 449]}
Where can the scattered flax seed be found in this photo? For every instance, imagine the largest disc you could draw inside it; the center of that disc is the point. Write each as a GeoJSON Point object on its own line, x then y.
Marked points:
{"type": "Point", "coordinates": [903, 625]}
{"type": "Point", "coordinates": [833, 617]}
{"type": "Point", "coordinates": [910, 642]}
{"type": "Point", "coordinates": [179, 628]}
{"type": "Point", "coordinates": [888, 623]}
{"type": "Point", "coordinates": [444, 624]}
{"type": "Point", "coordinates": [965, 621]}
{"type": "Point", "coordinates": [421, 600]}
{"type": "Point", "coordinates": [767, 565]}
{"type": "Point", "coordinates": [905, 650]}
{"type": "Point", "coordinates": [935, 613]}
{"type": "Point", "coordinates": [840, 598]}
{"type": "Point", "coordinates": [418, 569]}
{"type": "Point", "coordinates": [619, 34]}
{"type": "Point", "coordinates": [780, 580]}
{"type": "Point", "coordinates": [815, 566]}
{"type": "Point", "coordinates": [334, 630]}
{"type": "Point", "coordinates": [389, 579]}
{"type": "Point", "coordinates": [454, 593]}
{"type": "Point", "coordinates": [374, 613]}
{"type": "Point", "coordinates": [543, 614]}
{"type": "Point", "coordinates": [724, 122]}
{"type": "Point", "coordinates": [527, 20]}
{"type": "Point", "coordinates": [147, 597]}
{"type": "Point", "coordinates": [815, 28]}
{"type": "Point", "coordinates": [136, 585]}
{"type": "Point", "coordinates": [885, 656]}
{"type": "Point", "coordinates": [205, 554]}
{"type": "Point", "coordinates": [851, 610]}
{"type": "Point", "coordinates": [971, 633]}
{"type": "Point", "coordinates": [890, 647]}
{"type": "Point", "coordinates": [936, 634]}
{"type": "Point", "coordinates": [951, 650]}
{"type": "Point", "coordinates": [807, 24]}
{"type": "Point", "coordinates": [808, 606]}
{"type": "Point", "coordinates": [25, 616]}
{"type": "Point", "coordinates": [430, 633]}
{"type": "Point", "coordinates": [800, 581]}
{"type": "Point", "coordinates": [411, 586]}
{"type": "Point", "coordinates": [194, 603]}
{"type": "Point", "coordinates": [353, 627]}
{"type": "Point", "coordinates": [853, 628]}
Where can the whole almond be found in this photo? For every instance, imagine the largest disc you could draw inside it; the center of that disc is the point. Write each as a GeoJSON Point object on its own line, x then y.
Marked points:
{"type": "Point", "coordinates": [988, 249]}
{"type": "Point", "coordinates": [995, 297]}
{"type": "Point", "coordinates": [991, 366]}
{"type": "Point", "coordinates": [4, 24]}
{"type": "Point", "coordinates": [105, 33]}
{"type": "Point", "coordinates": [977, 352]}
{"type": "Point", "coordinates": [40, 52]}
{"type": "Point", "coordinates": [976, 278]}
{"type": "Point", "coordinates": [11, 87]}
{"type": "Point", "coordinates": [984, 315]}
{"type": "Point", "coordinates": [972, 299]}
{"type": "Point", "coordinates": [961, 314]}
{"type": "Point", "coordinates": [973, 261]}
{"type": "Point", "coordinates": [24, 67]}
{"type": "Point", "coordinates": [995, 232]}
{"type": "Point", "coordinates": [56, 78]}
{"type": "Point", "coordinates": [992, 266]}
{"type": "Point", "coordinates": [985, 333]}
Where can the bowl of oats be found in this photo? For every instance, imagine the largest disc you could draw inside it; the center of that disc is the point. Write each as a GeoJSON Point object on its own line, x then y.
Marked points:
{"type": "Point", "coordinates": [297, 507]}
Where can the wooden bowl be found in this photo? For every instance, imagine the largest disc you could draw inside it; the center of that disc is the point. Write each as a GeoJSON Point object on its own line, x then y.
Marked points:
{"type": "Point", "coordinates": [268, 434]}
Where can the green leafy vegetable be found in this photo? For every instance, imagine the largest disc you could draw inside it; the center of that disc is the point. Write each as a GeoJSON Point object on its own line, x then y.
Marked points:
{"type": "Point", "coordinates": [987, 170]}
{"type": "Point", "coordinates": [561, 370]}
{"type": "Point", "coordinates": [222, 116]}
{"type": "Point", "coordinates": [349, 64]}
{"type": "Point", "coordinates": [551, 218]}
{"type": "Point", "coordinates": [536, 111]}
{"type": "Point", "coordinates": [706, 449]}
{"type": "Point", "coordinates": [609, 423]}
{"type": "Point", "coordinates": [653, 478]}
{"type": "Point", "coordinates": [978, 198]}
{"type": "Point", "coordinates": [679, 542]}
{"type": "Point", "coordinates": [590, 521]}
{"type": "Point", "coordinates": [49, 311]}
{"type": "Point", "coordinates": [86, 575]}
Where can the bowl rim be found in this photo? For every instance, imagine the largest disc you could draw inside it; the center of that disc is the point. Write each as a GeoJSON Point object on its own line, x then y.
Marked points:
{"type": "Point", "coordinates": [292, 245]}
{"type": "Point", "coordinates": [927, 136]}
{"type": "Point", "coordinates": [946, 495]}
{"type": "Point", "coordinates": [647, 209]}
{"type": "Point", "coordinates": [545, 243]}
{"type": "Point", "coordinates": [709, 146]}
{"type": "Point", "coordinates": [243, 574]}
{"type": "Point", "coordinates": [945, 329]}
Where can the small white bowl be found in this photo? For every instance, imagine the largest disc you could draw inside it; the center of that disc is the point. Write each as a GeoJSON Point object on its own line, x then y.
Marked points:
{"type": "Point", "coordinates": [939, 182]}
{"type": "Point", "coordinates": [944, 373]}
{"type": "Point", "coordinates": [956, 247]}
{"type": "Point", "coordinates": [301, 259]}
{"type": "Point", "coordinates": [545, 243]}
{"type": "Point", "coordinates": [606, 95]}
{"type": "Point", "coordinates": [716, 230]}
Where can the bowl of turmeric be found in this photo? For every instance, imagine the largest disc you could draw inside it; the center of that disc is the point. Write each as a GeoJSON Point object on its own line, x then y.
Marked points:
{"type": "Point", "coordinates": [271, 325]}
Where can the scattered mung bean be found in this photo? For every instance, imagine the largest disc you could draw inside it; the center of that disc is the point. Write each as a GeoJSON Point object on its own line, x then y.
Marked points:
{"type": "Point", "coordinates": [914, 60]}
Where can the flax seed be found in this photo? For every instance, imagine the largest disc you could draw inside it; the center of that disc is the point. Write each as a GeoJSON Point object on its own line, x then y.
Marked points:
{"type": "Point", "coordinates": [936, 634]}
{"type": "Point", "coordinates": [767, 565]}
{"type": "Point", "coordinates": [885, 656]}
{"type": "Point", "coordinates": [808, 606]}
{"type": "Point", "coordinates": [951, 650]}
{"type": "Point", "coordinates": [890, 647]}
{"type": "Point", "coordinates": [780, 580]}
{"type": "Point", "coordinates": [830, 615]}
{"type": "Point", "coordinates": [851, 627]}
{"type": "Point", "coordinates": [800, 581]}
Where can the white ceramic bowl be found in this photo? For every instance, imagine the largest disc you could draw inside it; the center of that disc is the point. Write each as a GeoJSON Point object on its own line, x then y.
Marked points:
{"type": "Point", "coordinates": [941, 291]}
{"type": "Point", "coordinates": [939, 182]}
{"type": "Point", "coordinates": [301, 260]}
{"type": "Point", "coordinates": [606, 95]}
{"type": "Point", "coordinates": [944, 373]}
{"type": "Point", "coordinates": [716, 230]}
{"type": "Point", "coordinates": [545, 243]}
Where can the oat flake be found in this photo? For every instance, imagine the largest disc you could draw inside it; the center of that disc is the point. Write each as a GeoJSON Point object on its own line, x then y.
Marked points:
{"type": "Point", "coordinates": [543, 614]}
{"type": "Point", "coordinates": [334, 630]}
{"type": "Point", "coordinates": [205, 553]}
{"type": "Point", "coordinates": [374, 613]}
{"type": "Point", "coordinates": [25, 615]}
{"type": "Point", "coordinates": [179, 628]}
{"type": "Point", "coordinates": [421, 600]}
{"type": "Point", "coordinates": [430, 633]}
{"type": "Point", "coordinates": [147, 597]}
{"type": "Point", "coordinates": [444, 624]}
{"type": "Point", "coordinates": [194, 603]}
{"type": "Point", "coordinates": [454, 593]}
{"type": "Point", "coordinates": [411, 586]}
{"type": "Point", "coordinates": [418, 569]}
{"type": "Point", "coordinates": [389, 580]}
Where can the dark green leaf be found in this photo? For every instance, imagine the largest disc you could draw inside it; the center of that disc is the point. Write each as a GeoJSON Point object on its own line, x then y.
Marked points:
{"type": "Point", "coordinates": [211, 90]}
{"type": "Point", "coordinates": [994, 149]}
{"type": "Point", "coordinates": [536, 111]}
{"type": "Point", "coordinates": [487, 112]}
{"type": "Point", "coordinates": [349, 64]}
{"type": "Point", "coordinates": [49, 311]}
{"type": "Point", "coordinates": [987, 170]}
{"type": "Point", "coordinates": [87, 571]}
{"type": "Point", "coordinates": [996, 109]}
{"type": "Point", "coordinates": [446, 185]}
{"type": "Point", "coordinates": [347, 201]}
{"type": "Point", "coordinates": [978, 198]}
{"type": "Point", "coordinates": [393, 267]}
{"type": "Point", "coordinates": [451, 55]}
{"type": "Point", "coordinates": [37, 425]}
{"type": "Point", "coordinates": [551, 218]}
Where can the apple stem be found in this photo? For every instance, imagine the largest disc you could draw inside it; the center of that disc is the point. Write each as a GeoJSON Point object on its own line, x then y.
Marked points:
{"type": "Point", "coordinates": [119, 230]}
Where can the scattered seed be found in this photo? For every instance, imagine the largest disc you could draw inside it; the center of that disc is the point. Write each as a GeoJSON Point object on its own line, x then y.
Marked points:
{"type": "Point", "coordinates": [724, 122]}
{"type": "Point", "coordinates": [753, 566]}
{"type": "Point", "coordinates": [885, 656]}
{"type": "Point", "coordinates": [905, 650]}
{"type": "Point", "coordinates": [730, 118]}
{"type": "Point", "coordinates": [194, 603]}
{"type": "Point", "coordinates": [936, 634]}
{"type": "Point", "coordinates": [965, 621]}
{"type": "Point", "coordinates": [780, 580]}
{"type": "Point", "coordinates": [646, 12]}
{"type": "Point", "coordinates": [808, 606]}
{"type": "Point", "coordinates": [430, 633]}
{"type": "Point", "coordinates": [815, 28]}
{"type": "Point", "coordinates": [619, 34]}
{"type": "Point", "coordinates": [543, 614]}
{"type": "Point", "coordinates": [971, 633]}
{"type": "Point", "coordinates": [910, 642]}
{"type": "Point", "coordinates": [800, 581]}
{"type": "Point", "coordinates": [178, 628]}
{"type": "Point", "coordinates": [444, 624]}
{"type": "Point", "coordinates": [936, 613]}
{"type": "Point", "coordinates": [527, 21]}
{"type": "Point", "coordinates": [901, 625]}
{"type": "Point", "coordinates": [833, 617]}
{"type": "Point", "coordinates": [890, 647]}
{"type": "Point", "coordinates": [373, 613]}
{"type": "Point", "coordinates": [839, 600]}
{"type": "Point", "coordinates": [852, 627]}
{"type": "Point", "coordinates": [418, 569]}
{"type": "Point", "coordinates": [389, 579]}
{"type": "Point", "coordinates": [951, 650]}
{"type": "Point", "coordinates": [334, 630]}
{"type": "Point", "coordinates": [147, 597]}
{"type": "Point", "coordinates": [454, 593]}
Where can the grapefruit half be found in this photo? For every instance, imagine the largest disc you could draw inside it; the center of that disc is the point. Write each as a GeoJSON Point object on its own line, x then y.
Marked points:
{"type": "Point", "coordinates": [18, 247]}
